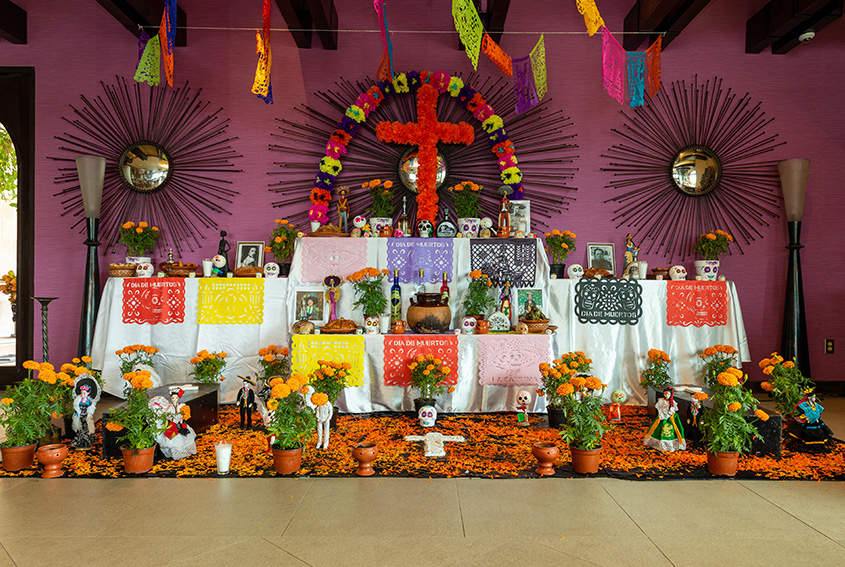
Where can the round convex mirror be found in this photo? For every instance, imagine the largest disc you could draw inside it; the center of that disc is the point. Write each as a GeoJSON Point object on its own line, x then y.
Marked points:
{"type": "Point", "coordinates": [145, 167]}
{"type": "Point", "coordinates": [696, 171]}
{"type": "Point", "coordinates": [409, 164]}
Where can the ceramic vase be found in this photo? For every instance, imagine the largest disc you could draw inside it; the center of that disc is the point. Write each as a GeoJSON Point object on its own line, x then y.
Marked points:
{"type": "Point", "coordinates": [585, 461]}
{"type": "Point", "coordinates": [722, 463]}
{"type": "Point", "coordinates": [18, 458]}
{"type": "Point", "coordinates": [287, 461]}
{"type": "Point", "coordinates": [468, 226]}
{"type": "Point", "coordinates": [365, 453]}
{"type": "Point", "coordinates": [51, 456]}
{"type": "Point", "coordinates": [546, 454]}
{"type": "Point", "coordinates": [378, 224]}
{"type": "Point", "coordinates": [707, 269]}
{"type": "Point", "coordinates": [371, 324]}
{"type": "Point", "coordinates": [428, 314]}
{"type": "Point", "coordinates": [138, 461]}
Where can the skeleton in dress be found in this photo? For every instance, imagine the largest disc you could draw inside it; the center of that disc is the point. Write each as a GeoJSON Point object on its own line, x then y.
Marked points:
{"type": "Point", "coordinates": [667, 432]}
{"type": "Point", "coordinates": [178, 439]}
{"type": "Point", "coordinates": [86, 394]}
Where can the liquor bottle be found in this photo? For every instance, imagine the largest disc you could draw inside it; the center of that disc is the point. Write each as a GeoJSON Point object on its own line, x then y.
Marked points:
{"type": "Point", "coordinates": [446, 228]}
{"type": "Point", "coordinates": [444, 290]}
{"type": "Point", "coordinates": [395, 299]}
{"type": "Point", "coordinates": [404, 223]}
{"type": "Point", "coordinates": [420, 282]}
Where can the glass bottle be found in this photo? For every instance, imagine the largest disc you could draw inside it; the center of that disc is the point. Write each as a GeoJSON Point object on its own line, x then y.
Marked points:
{"type": "Point", "coordinates": [404, 223]}
{"type": "Point", "coordinates": [444, 290]}
{"type": "Point", "coordinates": [420, 282]}
{"type": "Point", "coordinates": [395, 298]}
{"type": "Point", "coordinates": [446, 228]}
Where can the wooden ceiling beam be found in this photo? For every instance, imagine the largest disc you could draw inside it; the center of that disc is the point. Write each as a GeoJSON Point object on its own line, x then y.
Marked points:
{"type": "Point", "coordinates": [669, 17]}
{"type": "Point", "coordinates": [831, 12]}
{"type": "Point", "coordinates": [146, 13]}
{"type": "Point", "coordinates": [12, 22]}
{"type": "Point", "coordinates": [497, 13]}
{"type": "Point", "coordinates": [780, 22]}
{"type": "Point", "coordinates": [324, 17]}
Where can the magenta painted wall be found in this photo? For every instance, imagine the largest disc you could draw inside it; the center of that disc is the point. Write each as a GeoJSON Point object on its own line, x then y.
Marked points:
{"type": "Point", "coordinates": [75, 45]}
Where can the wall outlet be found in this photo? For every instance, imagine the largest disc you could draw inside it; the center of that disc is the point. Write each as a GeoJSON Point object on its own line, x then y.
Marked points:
{"type": "Point", "coordinates": [828, 346]}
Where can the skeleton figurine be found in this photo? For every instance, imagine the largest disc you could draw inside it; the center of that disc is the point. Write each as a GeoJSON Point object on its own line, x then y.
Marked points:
{"type": "Point", "coordinates": [86, 392]}
{"type": "Point", "coordinates": [324, 416]}
{"type": "Point", "coordinates": [271, 270]}
{"type": "Point", "coordinates": [486, 227]}
{"type": "Point", "coordinates": [425, 229]}
{"type": "Point", "coordinates": [575, 272]}
{"type": "Point", "coordinates": [617, 397]}
{"type": "Point", "coordinates": [523, 400]}
{"type": "Point", "coordinates": [678, 273]}
{"type": "Point", "coordinates": [144, 270]}
{"type": "Point", "coordinates": [218, 266]}
{"type": "Point", "coordinates": [428, 416]}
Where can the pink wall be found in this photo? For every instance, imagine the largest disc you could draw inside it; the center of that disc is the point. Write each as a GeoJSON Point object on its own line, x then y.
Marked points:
{"type": "Point", "coordinates": [75, 45]}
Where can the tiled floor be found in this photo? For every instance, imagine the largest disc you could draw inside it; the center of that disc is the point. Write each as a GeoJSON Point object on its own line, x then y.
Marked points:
{"type": "Point", "coordinates": [409, 522]}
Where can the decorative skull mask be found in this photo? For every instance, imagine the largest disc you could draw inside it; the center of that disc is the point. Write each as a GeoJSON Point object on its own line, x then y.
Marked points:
{"type": "Point", "coordinates": [359, 221]}
{"type": "Point", "coordinates": [371, 325]}
{"type": "Point", "coordinates": [618, 397]}
{"type": "Point", "coordinates": [575, 272]}
{"type": "Point", "coordinates": [523, 398]}
{"type": "Point", "coordinates": [425, 229]}
{"type": "Point", "coordinates": [271, 270]}
{"type": "Point", "coordinates": [678, 273]}
{"type": "Point", "coordinates": [219, 261]}
{"type": "Point", "coordinates": [144, 270]}
{"type": "Point", "coordinates": [428, 416]}
{"type": "Point", "coordinates": [468, 325]}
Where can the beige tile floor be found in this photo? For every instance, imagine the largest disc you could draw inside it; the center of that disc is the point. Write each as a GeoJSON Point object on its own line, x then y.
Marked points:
{"type": "Point", "coordinates": [410, 522]}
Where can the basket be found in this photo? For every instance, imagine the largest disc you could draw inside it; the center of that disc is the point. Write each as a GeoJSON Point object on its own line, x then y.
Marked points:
{"type": "Point", "coordinates": [177, 271]}
{"type": "Point", "coordinates": [536, 325]}
{"type": "Point", "coordinates": [122, 270]}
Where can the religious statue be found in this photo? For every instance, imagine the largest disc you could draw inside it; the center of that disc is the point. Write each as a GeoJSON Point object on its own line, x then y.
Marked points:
{"type": "Point", "coordinates": [505, 297]}
{"type": "Point", "coordinates": [667, 432]}
{"type": "Point", "coordinates": [332, 295]}
{"type": "Point", "coordinates": [631, 252]}
{"type": "Point", "coordinates": [343, 208]}
{"type": "Point", "coordinates": [246, 402]}
{"type": "Point", "coordinates": [177, 440]}
{"type": "Point", "coordinates": [223, 250]}
{"type": "Point", "coordinates": [807, 428]}
{"type": "Point", "coordinates": [86, 394]}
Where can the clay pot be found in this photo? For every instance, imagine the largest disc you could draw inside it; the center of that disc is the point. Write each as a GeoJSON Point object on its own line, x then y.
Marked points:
{"type": "Point", "coordinates": [138, 461]}
{"type": "Point", "coordinates": [585, 461]}
{"type": "Point", "coordinates": [420, 402]}
{"type": "Point", "coordinates": [546, 454]}
{"type": "Point", "coordinates": [428, 314]}
{"type": "Point", "coordinates": [557, 417]}
{"type": "Point", "coordinates": [482, 327]}
{"type": "Point", "coordinates": [51, 456]}
{"type": "Point", "coordinates": [557, 271]}
{"type": "Point", "coordinates": [722, 463]}
{"type": "Point", "coordinates": [287, 461]}
{"type": "Point", "coordinates": [18, 458]}
{"type": "Point", "coordinates": [365, 453]}
{"type": "Point", "coordinates": [398, 327]}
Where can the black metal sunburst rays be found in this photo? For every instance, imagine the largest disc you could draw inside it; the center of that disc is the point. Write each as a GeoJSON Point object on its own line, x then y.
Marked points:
{"type": "Point", "coordinates": [543, 139]}
{"type": "Point", "coordinates": [193, 137]}
{"type": "Point", "coordinates": [681, 116]}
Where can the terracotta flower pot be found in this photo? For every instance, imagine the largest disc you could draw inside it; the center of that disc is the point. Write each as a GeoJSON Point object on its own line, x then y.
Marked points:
{"type": "Point", "coordinates": [51, 456]}
{"type": "Point", "coordinates": [546, 454]}
{"type": "Point", "coordinates": [365, 453]}
{"type": "Point", "coordinates": [585, 461]}
{"type": "Point", "coordinates": [722, 463]}
{"type": "Point", "coordinates": [287, 461]}
{"type": "Point", "coordinates": [557, 417]}
{"type": "Point", "coordinates": [18, 458]}
{"type": "Point", "coordinates": [138, 461]}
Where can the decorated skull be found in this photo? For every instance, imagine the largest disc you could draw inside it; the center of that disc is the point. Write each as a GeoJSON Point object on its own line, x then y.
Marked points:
{"type": "Point", "coordinates": [359, 221]}
{"type": "Point", "coordinates": [522, 328]}
{"type": "Point", "coordinates": [219, 261]}
{"type": "Point", "coordinates": [271, 270]}
{"type": "Point", "coordinates": [371, 325]}
{"type": "Point", "coordinates": [398, 233]}
{"type": "Point", "coordinates": [425, 229]}
{"type": "Point", "coordinates": [519, 234]}
{"type": "Point", "coordinates": [678, 273]}
{"type": "Point", "coordinates": [428, 416]}
{"type": "Point", "coordinates": [144, 270]}
{"type": "Point", "coordinates": [468, 325]}
{"type": "Point", "coordinates": [523, 398]}
{"type": "Point", "coordinates": [618, 397]}
{"type": "Point", "coordinates": [575, 272]}
{"type": "Point", "coordinates": [487, 223]}
{"type": "Point", "coordinates": [469, 227]}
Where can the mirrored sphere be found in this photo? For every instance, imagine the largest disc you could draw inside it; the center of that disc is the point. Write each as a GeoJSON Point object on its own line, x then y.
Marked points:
{"type": "Point", "coordinates": [696, 170]}
{"type": "Point", "coordinates": [144, 167]}
{"type": "Point", "coordinates": [408, 170]}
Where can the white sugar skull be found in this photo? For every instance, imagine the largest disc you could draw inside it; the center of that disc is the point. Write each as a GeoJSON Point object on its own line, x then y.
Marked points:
{"type": "Point", "coordinates": [469, 227]}
{"type": "Point", "coordinates": [678, 273]}
{"type": "Point", "coordinates": [519, 234]}
{"type": "Point", "coordinates": [531, 235]}
{"type": "Point", "coordinates": [219, 261]}
{"type": "Point", "coordinates": [428, 416]}
{"type": "Point", "coordinates": [271, 270]}
{"type": "Point", "coordinates": [523, 398]}
{"type": "Point", "coordinates": [618, 397]}
{"type": "Point", "coordinates": [359, 221]}
{"type": "Point", "coordinates": [575, 272]}
{"type": "Point", "coordinates": [425, 229]}
{"type": "Point", "coordinates": [144, 270]}
{"type": "Point", "coordinates": [468, 325]}
{"type": "Point", "coordinates": [371, 325]}
{"type": "Point", "coordinates": [487, 223]}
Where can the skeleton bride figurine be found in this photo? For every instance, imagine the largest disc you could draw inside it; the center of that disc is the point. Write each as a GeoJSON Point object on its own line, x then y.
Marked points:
{"type": "Point", "coordinates": [667, 432]}
{"type": "Point", "coordinates": [86, 394]}
{"type": "Point", "coordinates": [178, 440]}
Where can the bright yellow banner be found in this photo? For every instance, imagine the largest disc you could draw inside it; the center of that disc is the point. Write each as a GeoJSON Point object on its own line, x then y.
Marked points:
{"type": "Point", "coordinates": [592, 18]}
{"type": "Point", "coordinates": [538, 67]}
{"type": "Point", "coordinates": [230, 301]}
{"type": "Point", "coordinates": [306, 350]}
{"type": "Point", "coordinates": [469, 27]}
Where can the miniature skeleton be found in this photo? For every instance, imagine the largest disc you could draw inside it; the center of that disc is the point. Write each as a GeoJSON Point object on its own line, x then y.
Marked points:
{"type": "Point", "coordinates": [523, 399]}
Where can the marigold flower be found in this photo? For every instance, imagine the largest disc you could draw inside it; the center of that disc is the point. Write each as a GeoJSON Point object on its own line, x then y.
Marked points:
{"type": "Point", "coordinates": [319, 399]}
{"type": "Point", "coordinates": [185, 411]}
{"type": "Point", "coordinates": [577, 381]}
{"type": "Point", "coordinates": [31, 365]}
{"type": "Point", "coordinates": [593, 383]}
{"type": "Point", "coordinates": [789, 364]}
{"type": "Point", "coordinates": [734, 406]}
{"type": "Point", "coordinates": [280, 391]}
{"type": "Point", "coordinates": [113, 426]}
{"type": "Point", "coordinates": [735, 371]}
{"type": "Point", "coordinates": [268, 357]}
{"type": "Point", "coordinates": [272, 404]}
{"type": "Point", "coordinates": [446, 370]}
{"type": "Point", "coordinates": [450, 390]}
{"type": "Point", "coordinates": [565, 389]}
{"type": "Point", "coordinates": [700, 396]}
{"type": "Point", "coordinates": [6, 401]}
{"type": "Point", "coordinates": [767, 386]}
{"type": "Point", "coordinates": [541, 393]}
{"type": "Point", "coordinates": [768, 370]}
{"type": "Point", "coordinates": [726, 379]}
{"type": "Point", "coordinates": [762, 415]}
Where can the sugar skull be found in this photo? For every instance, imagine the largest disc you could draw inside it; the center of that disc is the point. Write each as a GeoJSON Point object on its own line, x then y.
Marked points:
{"type": "Point", "coordinates": [468, 325]}
{"type": "Point", "coordinates": [271, 270]}
{"type": "Point", "coordinates": [618, 397]}
{"type": "Point", "coordinates": [522, 328]}
{"type": "Point", "coordinates": [425, 229]}
{"type": "Point", "coordinates": [356, 232]}
{"type": "Point", "coordinates": [486, 222]}
{"type": "Point", "coordinates": [359, 222]}
{"type": "Point", "coordinates": [398, 233]}
{"type": "Point", "coordinates": [144, 270]}
{"type": "Point", "coordinates": [575, 272]}
{"type": "Point", "coordinates": [428, 416]}
{"type": "Point", "coordinates": [485, 233]}
{"type": "Point", "coordinates": [219, 261]}
{"type": "Point", "coordinates": [371, 324]}
{"type": "Point", "coordinates": [523, 398]}
{"type": "Point", "coordinates": [678, 273]}
{"type": "Point", "coordinates": [722, 278]}
{"type": "Point", "coordinates": [519, 234]}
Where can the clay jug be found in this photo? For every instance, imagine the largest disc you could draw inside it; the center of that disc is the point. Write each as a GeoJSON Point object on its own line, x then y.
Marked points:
{"type": "Point", "coordinates": [428, 314]}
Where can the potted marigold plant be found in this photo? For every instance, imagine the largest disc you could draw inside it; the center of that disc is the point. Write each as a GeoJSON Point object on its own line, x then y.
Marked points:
{"type": "Point", "coordinates": [559, 245]}
{"type": "Point", "coordinates": [465, 197]}
{"type": "Point", "coordinates": [209, 366]}
{"type": "Point", "coordinates": [381, 211]}
{"type": "Point", "coordinates": [330, 378]}
{"type": "Point", "coordinates": [282, 243]}
{"type": "Point", "coordinates": [274, 361]}
{"type": "Point", "coordinates": [717, 359]}
{"type": "Point", "coordinates": [139, 240]}
{"type": "Point", "coordinates": [554, 376]}
{"type": "Point", "coordinates": [725, 429]}
{"type": "Point", "coordinates": [586, 423]}
{"type": "Point", "coordinates": [25, 414]}
{"type": "Point", "coordinates": [132, 356]}
{"type": "Point", "coordinates": [786, 384]}
{"type": "Point", "coordinates": [655, 374]}
{"type": "Point", "coordinates": [369, 294]}
{"type": "Point", "coordinates": [710, 246]}
{"type": "Point", "coordinates": [138, 423]}
{"type": "Point", "coordinates": [477, 299]}
{"type": "Point", "coordinates": [291, 422]}
{"type": "Point", "coordinates": [428, 377]}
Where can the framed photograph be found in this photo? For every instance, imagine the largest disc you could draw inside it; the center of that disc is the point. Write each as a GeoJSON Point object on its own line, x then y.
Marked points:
{"type": "Point", "coordinates": [310, 304]}
{"type": "Point", "coordinates": [520, 216]}
{"type": "Point", "coordinates": [600, 256]}
{"type": "Point", "coordinates": [250, 255]}
{"type": "Point", "coordinates": [526, 298]}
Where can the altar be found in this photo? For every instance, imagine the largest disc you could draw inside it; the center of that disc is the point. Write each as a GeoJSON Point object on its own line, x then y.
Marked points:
{"type": "Point", "coordinates": [242, 315]}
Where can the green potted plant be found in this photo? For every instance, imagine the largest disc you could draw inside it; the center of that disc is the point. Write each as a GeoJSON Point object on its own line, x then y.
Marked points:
{"type": "Point", "coordinates": [330, 378]}
{"type": "Point", "coordinates": [282, 243]}
{"type": "Point", "coordinates": [559, 245]}
{"type": "Point", "coordinates": [369, 294]}
{"type": "Point", "coordinates": [133, 355]}
{"type": "Point", "coordinates": [381, 211]}
{"type": "Point", "coordinates": [655, 374]}
{"type": "Point", "coordinates": [291, 423]}
{"type": "Point", "coordinates": [139, 240]}
{"type": "Point", "coordinates": [710, 246]}
{"type": "Point", "coordinates": [209, 366]}
{"type": "Point", "coordinates": [586, 423]}
{"type": "Point", "coordinates": [477, 300]}
{"type": "Point", "coordinates": [554, 376]}
{"type": "Point", "coordinates": [274, 361]}
{"type": "Point", "coordinates": [138, 423]}
{"type": "Point", "coordinates": [786, 384]}
{"type": "Point", "coordinates": [725, 429]}
{"type": "Point", "coordinates": [465, 197]}
{"type": "Point", "coordinates": [428, 377]}
{"type": "Point", "coordinates": [717, 359]}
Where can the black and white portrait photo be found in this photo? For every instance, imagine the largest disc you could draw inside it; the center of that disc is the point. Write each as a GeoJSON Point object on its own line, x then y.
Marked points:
{"type": "Point", "coordinates": [250, 255]}
{"type": "Point", "coordinates": [600, 257]}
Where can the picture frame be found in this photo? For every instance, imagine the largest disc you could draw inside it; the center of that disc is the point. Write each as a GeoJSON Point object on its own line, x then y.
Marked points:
{"type": "Point", "coordinates": [600, 255]}
{"type": "Point", "coordinates": [524, 296]}
{"type": "Point", "coordinates": [310, 304]}
{"type": "Point", "coordinates": [249, 254]}
{"type": "Point", "coordinates": [520, 211]}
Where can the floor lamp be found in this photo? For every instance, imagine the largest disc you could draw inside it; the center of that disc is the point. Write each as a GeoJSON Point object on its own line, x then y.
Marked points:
{"type": "Point", "coordinates": [793, 180]}
{"type": "Point", "coordinates": [92, 171]}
